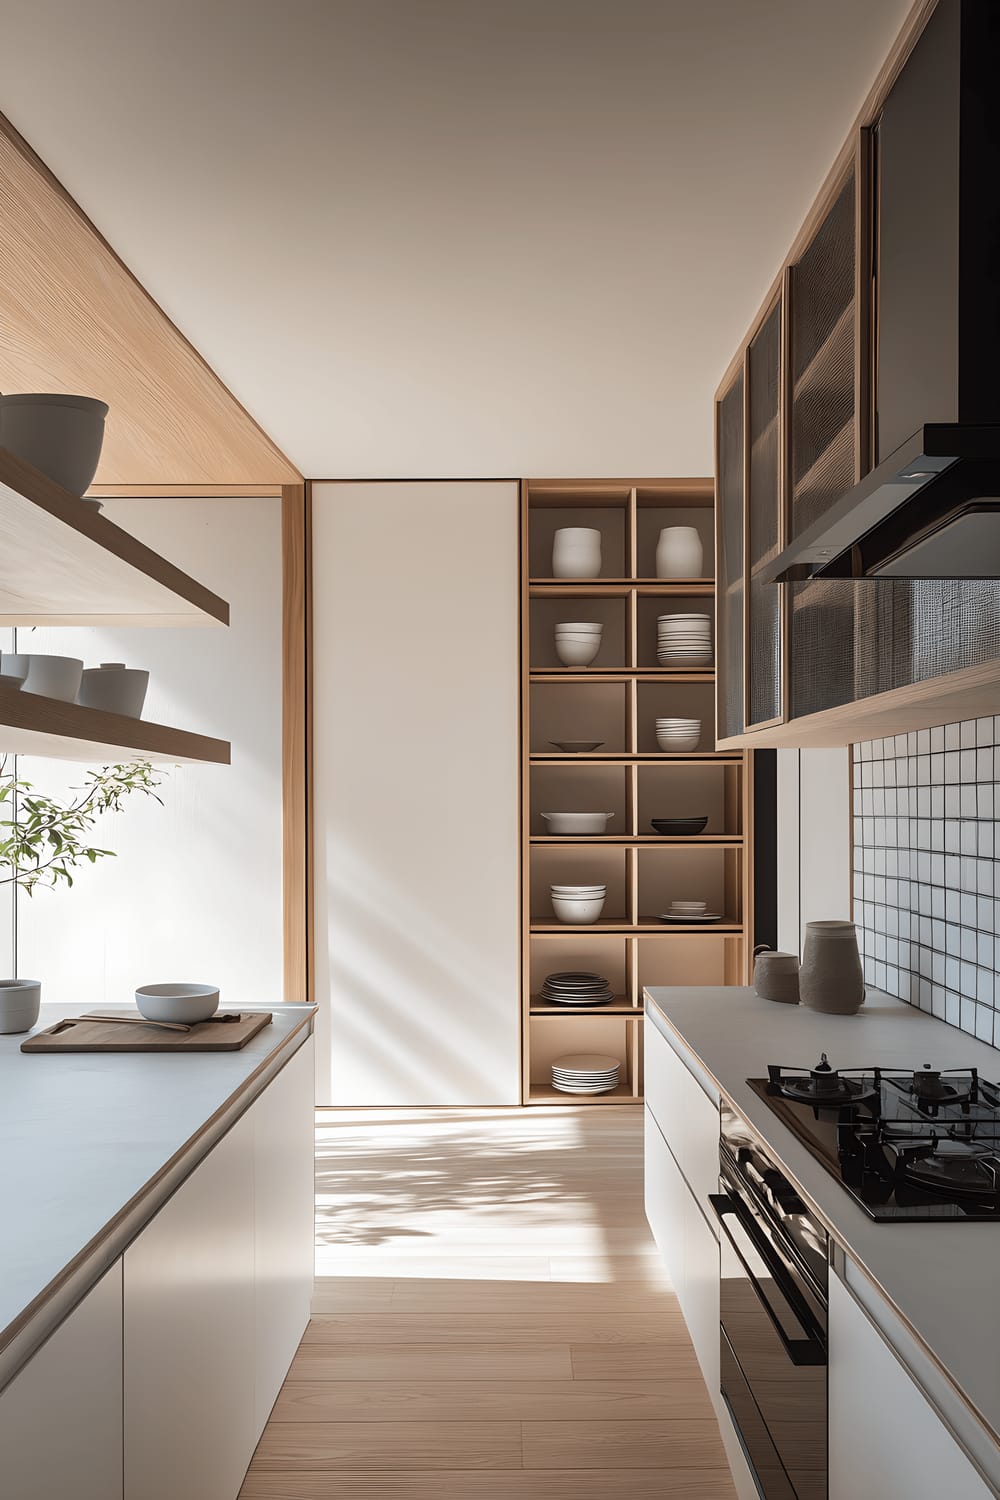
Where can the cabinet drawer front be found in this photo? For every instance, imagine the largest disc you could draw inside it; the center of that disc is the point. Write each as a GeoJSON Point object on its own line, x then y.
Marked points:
{"type": "Point", "coordinates": [686, 1115]}
{"type": "Point", "coordinates": [665, 1191]}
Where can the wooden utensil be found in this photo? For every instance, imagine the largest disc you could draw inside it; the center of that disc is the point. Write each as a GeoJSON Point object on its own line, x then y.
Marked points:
{"type": "Point", "coordinates": [96, 1015]}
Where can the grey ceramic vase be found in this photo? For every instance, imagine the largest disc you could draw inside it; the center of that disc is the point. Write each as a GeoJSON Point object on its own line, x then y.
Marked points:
{"type": "Point", "coordinates": [776, 976]}
{"type": "Point", "coordinates": [831, 978]}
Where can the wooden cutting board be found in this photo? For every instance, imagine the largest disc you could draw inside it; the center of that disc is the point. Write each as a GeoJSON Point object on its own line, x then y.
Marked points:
{"type": "Point", "coordinates": [87, 1034]}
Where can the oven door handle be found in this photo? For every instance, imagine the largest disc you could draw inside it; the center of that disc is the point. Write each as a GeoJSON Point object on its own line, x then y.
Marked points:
{"type": "Point", "coordinates": [807, 1351]}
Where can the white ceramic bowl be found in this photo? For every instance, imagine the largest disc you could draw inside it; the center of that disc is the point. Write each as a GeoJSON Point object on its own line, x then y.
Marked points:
{"type": "Point", "coordinates": [678, 746]}
{"type": "Point", "coordinates": [58, 434]}
{"type": "Point", "coordinates": [577, 822]}
{"type": "Point", "coordinates": [577, 653]}
{"type": "Point", "coordinates": [20, 1000]}
{"type": "Point", "coordinates": [52, 676]}
{"type": "Point", "coordinates": [579, 893]}
{"type": "Point", "coordinates": [187, 1003]}
{"type": "Point", "coordinates": [576, 911]}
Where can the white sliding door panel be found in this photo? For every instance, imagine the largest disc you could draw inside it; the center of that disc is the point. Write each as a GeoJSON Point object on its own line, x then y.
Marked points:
{"type": "Point", "coordinates": [416, 680]}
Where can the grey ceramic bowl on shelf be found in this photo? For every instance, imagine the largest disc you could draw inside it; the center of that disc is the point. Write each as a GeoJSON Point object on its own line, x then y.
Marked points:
{"type": "Point", "coordinates": [115, 688]}
{"type": "Point", "coordinates": [57, 434]}
{"type": "Point", "coordinates": [679, 827]}
{"type": "Point", "coordinates": [186, 1004]}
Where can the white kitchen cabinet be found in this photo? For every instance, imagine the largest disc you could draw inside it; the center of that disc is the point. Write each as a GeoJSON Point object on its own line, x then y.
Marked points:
{"type": "Point", "coordinates": [61, 1416]}
{"type": "Point", "coordinates": [189, 1313]}
{"type": "Point", "coordinates": [284, 1232]}
{"type": "Point", "coordinates": [885, 1437]}
{"type": "Point", "coordinates": [687, 1116]}
{"type": "Point", "coordinates": [700, 1301]}
{"type": "Point", "coordinates": [665, 1191]}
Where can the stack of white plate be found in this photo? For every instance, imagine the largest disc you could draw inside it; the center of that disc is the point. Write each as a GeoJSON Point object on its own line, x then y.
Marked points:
{"type": "Point", "coordinates": [690, 911]}
{"type": "Point", "coordinates": [578, 642]}
{"type": "Point", "coordinates": [684, 640]}
{"type": "Point", "coordinates": [678, 735]}
{"type": "Point", "coordinates": [585, 1073]}
{"type": "Point", "coordinates": [578, 904]}
{"type": "Point", "coordinates": [577, 987]}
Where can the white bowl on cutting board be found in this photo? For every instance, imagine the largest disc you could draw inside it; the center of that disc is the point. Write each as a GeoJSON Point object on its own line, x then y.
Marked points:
{"type": "Point", "coordinates": [187, 1004]}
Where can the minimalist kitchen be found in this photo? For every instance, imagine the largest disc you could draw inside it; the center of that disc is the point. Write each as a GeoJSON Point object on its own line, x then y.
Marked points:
{"type": "Point", "coordinates": [499, 750]}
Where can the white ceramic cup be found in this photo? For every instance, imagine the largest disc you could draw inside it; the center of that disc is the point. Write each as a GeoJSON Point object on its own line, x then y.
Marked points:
{"type": "Point", "coordinates": [679, 553]}
{"type": "Point", "coordinates": [576, 552]}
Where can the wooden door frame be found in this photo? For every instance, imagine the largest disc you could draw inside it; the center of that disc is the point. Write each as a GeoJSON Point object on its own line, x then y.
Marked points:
{"type": "Point", "coordinates": [296, 704]}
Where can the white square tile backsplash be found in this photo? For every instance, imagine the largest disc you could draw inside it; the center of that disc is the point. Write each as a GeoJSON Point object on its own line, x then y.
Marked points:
{"type": "Point", "coordinates": [927, 870]}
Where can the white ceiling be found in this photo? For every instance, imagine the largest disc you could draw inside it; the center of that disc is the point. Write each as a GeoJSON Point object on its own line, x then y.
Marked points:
{"type": "Point", "coordinates": [452, 237]}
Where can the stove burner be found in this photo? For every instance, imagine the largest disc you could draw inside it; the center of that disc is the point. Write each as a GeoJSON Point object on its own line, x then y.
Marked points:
{"type": "Point", "coordinates": [929, 1087]}
{"type": "Point", "coordinates": [949, 1168]}
{"type": "Point", "coordinates": [823, 1087]}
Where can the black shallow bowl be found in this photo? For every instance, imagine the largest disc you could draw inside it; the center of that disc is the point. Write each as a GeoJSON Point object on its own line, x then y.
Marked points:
{"type": "Point", "coordinates": [679, 825]}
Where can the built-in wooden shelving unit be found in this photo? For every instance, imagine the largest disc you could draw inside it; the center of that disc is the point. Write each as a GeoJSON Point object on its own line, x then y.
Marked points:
{"type": "Point", "coordinates": [616, 701]}
{"type": "Point", "coordinates": [63, 563]}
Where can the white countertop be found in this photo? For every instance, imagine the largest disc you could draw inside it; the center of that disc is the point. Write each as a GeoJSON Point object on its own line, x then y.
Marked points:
{"type": "Point", "coordinates": [83, 1134]}
{"type": "Point", "coordinates": [943, 1279]}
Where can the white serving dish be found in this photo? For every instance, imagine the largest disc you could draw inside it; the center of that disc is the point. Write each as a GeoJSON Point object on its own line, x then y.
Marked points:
{"type": "Point", "coordinates": [50, 676]}
{"type": "Point", "coordinates": [578, 912]}
{"type": "Point", "coordinates": [577, 822]}
{"type": "Point", "coordinates": [185, 1003]}
{"type": "Point", "coordinates": [115, 688]}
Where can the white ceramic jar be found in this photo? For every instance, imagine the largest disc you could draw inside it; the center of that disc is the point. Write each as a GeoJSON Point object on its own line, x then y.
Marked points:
{"type": "Point", "coordinates": [50, 676]}
{"type": "Point", "coordinates": [20, 1000]}
{"type": "Point", "coordinates": [679, 553]}
{"type": "Point", "coordinates": [576, 552]}
{"type": "Point", "coordinates": [831, 978]}
{"type": "Point", "coordinates": [115, 688]}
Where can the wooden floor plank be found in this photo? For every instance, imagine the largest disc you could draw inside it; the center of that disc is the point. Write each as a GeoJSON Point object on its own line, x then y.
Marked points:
{"type": "Point", "coordinates": [481, 1400]}
{"type": "Point", "coordinates": [436, 1361]}
{"type": "Point", "coordinates": [513, 1484]}
{"type": "Point", "coordinates": [321, 1447]}
{"type": "Point", "coordinates": [658, 1325]}
{"type": "Point", "coordinates": [680, 1444]}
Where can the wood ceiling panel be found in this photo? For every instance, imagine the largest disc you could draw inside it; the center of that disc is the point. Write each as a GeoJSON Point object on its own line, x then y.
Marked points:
{"type": "Point", "coordinates": [75, 319]}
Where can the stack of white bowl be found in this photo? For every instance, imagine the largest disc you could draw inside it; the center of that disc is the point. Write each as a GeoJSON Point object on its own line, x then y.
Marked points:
{"type": "Point", "coordinates": [578, 905]}
{"type": "Point", "coordinates": [678, 735]}
{"type": "Point", "coordinates": [684, 640]}
{"type": "Point", "coordinates": [578, 642]}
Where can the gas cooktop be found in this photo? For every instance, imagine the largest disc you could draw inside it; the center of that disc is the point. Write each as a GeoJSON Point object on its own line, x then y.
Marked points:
{"type": "Point", "coordinates": [906, 1143]}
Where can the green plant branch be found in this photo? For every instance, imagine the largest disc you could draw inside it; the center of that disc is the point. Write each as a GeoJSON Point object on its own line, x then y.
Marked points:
{"type": "Point", "coordinates": [45, 840]}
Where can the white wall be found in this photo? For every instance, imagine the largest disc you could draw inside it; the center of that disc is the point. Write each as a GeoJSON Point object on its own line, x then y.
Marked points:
{"type": "Point", "coordinates": [814, 841]}
{"type": "Point", "coordinates": [195, 890]}
{"type": "Point", "coordinates": [416, 680]}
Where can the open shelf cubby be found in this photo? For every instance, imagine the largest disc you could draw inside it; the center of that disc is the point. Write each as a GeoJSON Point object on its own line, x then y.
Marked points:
{"type": "Point", "coordinates": [613, 704]}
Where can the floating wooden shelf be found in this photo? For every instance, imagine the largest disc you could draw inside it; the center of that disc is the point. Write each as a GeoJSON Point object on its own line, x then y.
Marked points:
{"type": "Point", "coordinates": [650, 924]}
{"type": "Point", "coordinates": [667, 588]}
{"type": "Point", "coordinates": [66, 564]}
{"type": "Point", "coordinates": [651, 758]}
{"type": "Point", "coordinates": [33, 725]}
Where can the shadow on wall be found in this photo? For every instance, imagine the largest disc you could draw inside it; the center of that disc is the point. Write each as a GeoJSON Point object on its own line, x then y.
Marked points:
{"type": "Point", "coordinates": [415, 1017]}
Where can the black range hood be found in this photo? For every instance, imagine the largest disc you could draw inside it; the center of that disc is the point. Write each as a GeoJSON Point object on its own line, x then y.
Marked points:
{"type": "Point", "coordinates": [930, 507]}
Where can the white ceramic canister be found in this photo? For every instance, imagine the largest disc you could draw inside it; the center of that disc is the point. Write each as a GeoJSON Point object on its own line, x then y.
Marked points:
{"type": "Point", "coordinates": [60, 435]}
{"type": "Point", "coordinates": [51, 676]}
{"type": "Point", "coordinates": [831, 978]}
{"type": "Point", "coordinates": [115, 688]}
{"type": "Point", "coordinates": [679, 553]}
{"type": "Point", "coordinates": [576, 552]}
{"type": "Point", "coordinates": [20, 1000]}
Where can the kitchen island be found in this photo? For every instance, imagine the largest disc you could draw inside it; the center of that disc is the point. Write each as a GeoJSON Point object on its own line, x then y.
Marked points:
{"type": "Point", "coordinates": [928, 1288]}
{"type": "Point", "coordinates": [156, 1233]}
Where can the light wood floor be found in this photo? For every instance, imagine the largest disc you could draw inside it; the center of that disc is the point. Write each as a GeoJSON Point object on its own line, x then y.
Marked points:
{"type": "Point", "coordinates": [490, 1320]}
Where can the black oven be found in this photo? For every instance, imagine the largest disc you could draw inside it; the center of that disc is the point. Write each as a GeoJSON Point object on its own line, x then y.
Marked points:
{"type": "Point", "coordinates": [772, 1305]}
